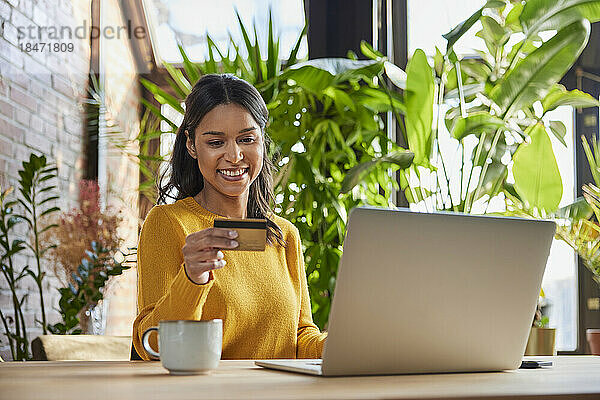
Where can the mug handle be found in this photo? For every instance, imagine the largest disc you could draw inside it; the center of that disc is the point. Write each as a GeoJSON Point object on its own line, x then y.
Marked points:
{"type": "Point", "coordinates": [146, 343]}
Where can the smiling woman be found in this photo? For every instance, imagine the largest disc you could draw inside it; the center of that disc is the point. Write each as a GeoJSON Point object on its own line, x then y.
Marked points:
{"type": "Point", "coordinates": [232, 156]}
{"type": "Point", "coordinates": [189, 270]}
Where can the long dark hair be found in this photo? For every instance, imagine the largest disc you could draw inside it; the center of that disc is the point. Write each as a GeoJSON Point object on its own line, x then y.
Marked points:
{"type": "Point", "coordinates": [184, 177]}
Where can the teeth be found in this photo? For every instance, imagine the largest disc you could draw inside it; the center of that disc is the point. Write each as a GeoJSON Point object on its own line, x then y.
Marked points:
{"type": "Point", "coordinates": [232, 173]}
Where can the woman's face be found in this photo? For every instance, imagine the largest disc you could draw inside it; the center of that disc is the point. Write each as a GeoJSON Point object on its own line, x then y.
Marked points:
{"type": "Point", "coordinates": [228, 146]}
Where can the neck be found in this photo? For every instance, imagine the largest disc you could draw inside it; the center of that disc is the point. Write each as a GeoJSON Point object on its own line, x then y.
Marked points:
{"type": "Point", "coordinates": [230, 207]}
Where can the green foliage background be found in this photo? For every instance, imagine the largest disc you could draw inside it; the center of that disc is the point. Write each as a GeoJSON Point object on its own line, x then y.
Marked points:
{"type": "Point", "coordinates": [328, 134]}
{"type": "Point", "coordinates": [324, 121]}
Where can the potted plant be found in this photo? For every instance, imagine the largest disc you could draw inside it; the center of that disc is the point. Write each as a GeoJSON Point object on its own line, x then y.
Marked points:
{"type": "Point", "coordinates": [35, 200]}
{"type": "Point", "coordinates": [542, 339]}
{"type": "Point", "coordinates": [579, 227]}
{"type": "Point", "coordinates": [83, 246]}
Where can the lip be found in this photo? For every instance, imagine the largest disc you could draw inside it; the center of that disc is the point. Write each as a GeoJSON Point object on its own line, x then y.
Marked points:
{"type": "Point", "coordinates": [233, 178]}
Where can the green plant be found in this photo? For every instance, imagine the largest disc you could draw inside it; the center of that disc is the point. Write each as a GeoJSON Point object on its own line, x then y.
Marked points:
{"type": "Point", "coordinates": [35, 198]}
{"type": "Point", "coordinates": [324, 121]}
{"type": "Point", "coordinates": [495, 108]}
{"type": "Point", "coordinates": [580, 228]}
{"type": "Point", "coordinates": [76, 230]}
{"type": "Point", "coordinates": [92, 274]}
{"type": "Point", "coordinates": [18, 340]}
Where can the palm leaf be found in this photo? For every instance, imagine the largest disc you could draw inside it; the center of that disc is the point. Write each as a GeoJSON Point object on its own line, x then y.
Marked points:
{"type": "Point", "coordinates": [191, 69]}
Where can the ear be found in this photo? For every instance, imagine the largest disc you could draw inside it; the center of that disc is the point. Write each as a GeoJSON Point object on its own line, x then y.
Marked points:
{"type": "Point", "coordinates": [189, 144]}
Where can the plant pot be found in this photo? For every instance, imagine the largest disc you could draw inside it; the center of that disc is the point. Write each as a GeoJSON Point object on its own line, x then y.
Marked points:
{"type": "Point", "coordinates": [593, 338]}
{"type": "Point", "coordinates": [541, 342]}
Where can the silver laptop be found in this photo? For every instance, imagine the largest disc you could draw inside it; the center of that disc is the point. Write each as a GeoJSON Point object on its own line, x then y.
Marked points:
{"type": "Point", "coordinates": [425, 293]}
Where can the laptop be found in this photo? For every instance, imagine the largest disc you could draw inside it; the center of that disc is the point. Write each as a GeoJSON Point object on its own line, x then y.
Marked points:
{"type": "Point", "coordinates": [430, 293]}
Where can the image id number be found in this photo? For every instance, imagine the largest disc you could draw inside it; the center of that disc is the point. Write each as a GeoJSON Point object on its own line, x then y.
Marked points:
{"type": "Point", "coordinates": [49, 47]}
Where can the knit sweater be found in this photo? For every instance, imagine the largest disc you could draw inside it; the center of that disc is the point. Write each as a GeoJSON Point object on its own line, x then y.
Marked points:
{"type": "Point", "coordinates": [261, 296]}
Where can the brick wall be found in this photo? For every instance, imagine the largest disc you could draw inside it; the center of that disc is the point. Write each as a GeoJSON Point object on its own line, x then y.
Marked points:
{"type": "Point", "coordinates": [41, 111]}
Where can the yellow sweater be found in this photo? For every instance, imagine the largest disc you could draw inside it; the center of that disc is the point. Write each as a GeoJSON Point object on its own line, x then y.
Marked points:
{"type": "Point", "coordinates": [262, 297]}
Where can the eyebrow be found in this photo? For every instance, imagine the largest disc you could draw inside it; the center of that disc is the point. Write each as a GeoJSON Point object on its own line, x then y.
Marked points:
{"type": "Point", "coordinates": [223, 133]}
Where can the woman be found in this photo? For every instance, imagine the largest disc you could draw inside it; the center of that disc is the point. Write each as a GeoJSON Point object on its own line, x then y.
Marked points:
{"type": "Point", "coordinates": [188, 270]}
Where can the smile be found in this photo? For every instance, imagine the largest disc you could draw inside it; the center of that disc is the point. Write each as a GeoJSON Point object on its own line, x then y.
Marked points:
{"type": "Point", "coordinates": [233, 174]}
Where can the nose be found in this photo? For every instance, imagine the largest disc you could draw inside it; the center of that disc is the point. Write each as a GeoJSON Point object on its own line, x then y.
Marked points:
{"type": "Point", "coordinates": [233, 153]}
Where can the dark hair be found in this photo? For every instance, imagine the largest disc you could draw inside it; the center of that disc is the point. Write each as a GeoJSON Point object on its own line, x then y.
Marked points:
{"type": "Point", "coordinates": [184, 175]}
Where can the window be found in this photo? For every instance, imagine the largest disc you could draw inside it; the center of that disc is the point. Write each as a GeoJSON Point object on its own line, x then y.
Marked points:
{"type": "Point", "coordinates": [188, 21]}
{"type": "Point", "coordinates": [560, 278]}
{"type": "Point", "coordinates": [428, 20]}
{"type": "Point", "coordinates": [167, 138]}
{"type": "Point", "coordinates": [425, 30]}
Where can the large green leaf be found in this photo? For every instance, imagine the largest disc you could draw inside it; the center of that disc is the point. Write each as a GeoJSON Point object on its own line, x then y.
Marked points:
{"type": "Point", "coordinates": [341, 98]}
{"type": "Point", "coordinates": [559, 96]}
{"type": "Point", "coordinates": [402, 158]}
{"type": "Point", "coordinates": [378, 101]}
{"type": "Point", "coordinates": [476, 124]}
{"type": "Point", "coordinates": [537, 178]}
{"type": "Point", "coordinates": [542, 15]}
{"type": "Point", "coordinates": [512, 19]}
{"type": "Point", "coordinates": [464, 26]}
{"type": "Point", "coordinates": [315, 75]}
{"type": "Point", "coordinates": [492, 30]}
{"type": "Point", "coordinates": [533, 77]}
{"type": "Point", "coordinates": [418, 99]}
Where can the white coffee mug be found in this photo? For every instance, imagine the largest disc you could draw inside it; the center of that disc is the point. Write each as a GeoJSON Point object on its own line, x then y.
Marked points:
{"type": "Point", "coordinates": [187, 347]}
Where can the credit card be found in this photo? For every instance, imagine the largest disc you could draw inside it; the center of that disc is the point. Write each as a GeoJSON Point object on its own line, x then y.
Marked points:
{"type": "Point", "coordinates": [252, 233]}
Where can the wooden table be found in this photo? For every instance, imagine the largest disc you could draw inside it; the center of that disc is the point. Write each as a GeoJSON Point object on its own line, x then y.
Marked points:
{"type": "Point", "coordinates": [570, 377]}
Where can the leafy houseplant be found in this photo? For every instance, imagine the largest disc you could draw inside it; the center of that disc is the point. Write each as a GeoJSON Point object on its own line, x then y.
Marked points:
{"type": "Point", "coordinates": [77, 228]}
{"type": "Point", "coordinates": [17, 339]}
{"type": "Point", "coordinates": [324, 121]}
{"type": "Point", "coordinates": [35, 194]}
{"type": "Point", "coordinates": [579, 227]}
{"type": "Point", "coordinates": [328, 138]}
{"type": "Point", "coordinates": [493, 108]}
{"type": "Point", "coordinates": [34, 187]}
{"type": "Point", "coordinates": [79, 298]}
{"type": "Point", "coordinates": [581, 230]}
{"type": "Point", "coordinates": [78, 231]}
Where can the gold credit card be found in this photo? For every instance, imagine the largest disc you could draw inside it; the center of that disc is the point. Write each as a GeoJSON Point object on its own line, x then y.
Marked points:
{"type": "Point", "coordinates": [252, 233]}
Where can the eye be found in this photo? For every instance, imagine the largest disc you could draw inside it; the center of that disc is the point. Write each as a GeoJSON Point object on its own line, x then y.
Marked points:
{"type": "Point", "coordinates": [215, 143]}
{"type": "Point", "coordinates": [248, 139]}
